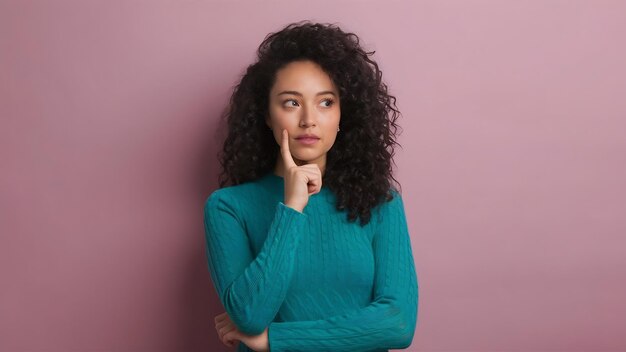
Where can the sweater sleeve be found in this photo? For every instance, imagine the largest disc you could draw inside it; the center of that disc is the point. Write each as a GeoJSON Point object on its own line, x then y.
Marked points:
{"type": "Point", "coordinates": [388, 322]}
{"type": "Point", "coordinates": [250, 289]}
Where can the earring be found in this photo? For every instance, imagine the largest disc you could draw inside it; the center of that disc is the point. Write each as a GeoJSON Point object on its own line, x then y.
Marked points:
{"type": "Point", "coordinates": [337, 129]}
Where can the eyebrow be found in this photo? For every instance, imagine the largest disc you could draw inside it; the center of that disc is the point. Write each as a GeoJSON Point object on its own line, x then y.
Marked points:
{"type": "Point", "coordinates": [300, 94]}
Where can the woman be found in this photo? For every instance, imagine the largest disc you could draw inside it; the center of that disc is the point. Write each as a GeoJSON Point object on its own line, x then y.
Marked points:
{"type": "Point", "coordinates": [309, 151]}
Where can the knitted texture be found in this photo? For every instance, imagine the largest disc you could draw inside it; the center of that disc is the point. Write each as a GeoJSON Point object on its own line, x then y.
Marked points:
{"type": "Point", "coordinates": [315, 280]}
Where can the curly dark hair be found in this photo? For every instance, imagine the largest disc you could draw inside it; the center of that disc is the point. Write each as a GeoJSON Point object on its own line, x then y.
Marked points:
{"type": "Point", "coordinates": [359, 166]}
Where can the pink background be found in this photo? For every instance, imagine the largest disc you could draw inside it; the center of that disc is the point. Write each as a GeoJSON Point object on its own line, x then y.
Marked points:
{"type": "Point", "coordinates": [513, 166]}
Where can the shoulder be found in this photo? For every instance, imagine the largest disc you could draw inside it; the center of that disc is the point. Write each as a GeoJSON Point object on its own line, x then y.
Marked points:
{"type": "Point", "coordinates": [390, 208]}
{"type": "Point", "coordinates": [232, 197]}
{"type": "Point", "coordinates": [220, 205]}
{"type": "Point", "coordinates": [392, 202]}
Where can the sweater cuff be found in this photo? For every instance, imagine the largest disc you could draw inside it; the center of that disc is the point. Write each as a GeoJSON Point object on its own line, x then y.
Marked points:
{"type": "Point", "coordinates": [289, 209]}
{"type": "Point", "coordinates": [274, 338]}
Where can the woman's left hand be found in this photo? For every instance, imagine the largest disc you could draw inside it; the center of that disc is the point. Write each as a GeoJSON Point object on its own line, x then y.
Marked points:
{"type": "Point", "coordinates": [229, 333]}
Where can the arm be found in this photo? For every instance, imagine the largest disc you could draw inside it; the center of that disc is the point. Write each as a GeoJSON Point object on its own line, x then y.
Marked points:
{"type": "Point", "coordinates": [388, 322]}
{"type": "Point", "coordinates": [251, 289]}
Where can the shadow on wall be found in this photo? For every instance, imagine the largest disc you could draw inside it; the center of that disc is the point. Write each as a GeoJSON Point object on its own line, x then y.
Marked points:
{"type": "Point", "coordinates": [197, 296]}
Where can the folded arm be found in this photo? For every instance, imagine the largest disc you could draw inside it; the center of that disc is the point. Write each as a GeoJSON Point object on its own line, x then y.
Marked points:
{"type": "Point", "coordinates": [388, 322]}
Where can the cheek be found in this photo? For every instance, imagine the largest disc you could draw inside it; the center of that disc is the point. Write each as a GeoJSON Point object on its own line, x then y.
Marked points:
{"type": "Point", "coordinates": [330, 141]}
{"type": "Point", "coordinates": [281, 116]}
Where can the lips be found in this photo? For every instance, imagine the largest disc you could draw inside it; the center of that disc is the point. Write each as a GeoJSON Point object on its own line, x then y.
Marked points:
{"type": "Point", "coordinates": [307, 140]}
{"type": "Point", "coordinates": [307, 135]}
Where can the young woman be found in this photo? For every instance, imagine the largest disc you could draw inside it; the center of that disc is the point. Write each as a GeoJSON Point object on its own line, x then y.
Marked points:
{"type": "Point", "coordinates": [311, 131]}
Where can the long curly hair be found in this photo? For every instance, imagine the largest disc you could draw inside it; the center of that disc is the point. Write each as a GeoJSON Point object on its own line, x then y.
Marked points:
{"type": "Point", "coordinates": [359, 166]}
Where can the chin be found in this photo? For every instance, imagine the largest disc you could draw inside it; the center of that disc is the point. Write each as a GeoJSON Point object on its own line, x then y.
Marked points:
{"type": "Point", "coordinates": [306, 159]}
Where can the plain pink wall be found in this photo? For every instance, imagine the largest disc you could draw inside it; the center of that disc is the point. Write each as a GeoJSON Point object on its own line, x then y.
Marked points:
{"type": "Point", "coordinates": [513, 166]}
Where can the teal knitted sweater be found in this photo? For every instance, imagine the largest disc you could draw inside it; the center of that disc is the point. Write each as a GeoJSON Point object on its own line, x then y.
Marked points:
{"type": "Point", "coordinates": [317, 281]}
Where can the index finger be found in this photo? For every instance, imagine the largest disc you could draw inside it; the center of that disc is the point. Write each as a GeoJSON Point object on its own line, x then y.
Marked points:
{"type": "Point", "coordinates": [284, 150]}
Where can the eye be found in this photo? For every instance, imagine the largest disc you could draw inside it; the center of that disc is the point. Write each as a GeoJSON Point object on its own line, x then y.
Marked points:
{"type": "Point", "coordinates": [284, 101]}
{"type": "Point", "coordinates": [330, 102]}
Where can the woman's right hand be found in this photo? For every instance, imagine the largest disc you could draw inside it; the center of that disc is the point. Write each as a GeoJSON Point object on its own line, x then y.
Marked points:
{"type": "Point", "coordinates": [300, 181]}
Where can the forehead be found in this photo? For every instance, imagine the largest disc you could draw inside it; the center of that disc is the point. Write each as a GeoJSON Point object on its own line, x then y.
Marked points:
{"type": "Point", "coordinates": [305, 76]}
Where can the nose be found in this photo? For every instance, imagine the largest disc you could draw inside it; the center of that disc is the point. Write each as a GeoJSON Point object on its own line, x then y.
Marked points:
{"type": "Point", "coordinates": [308, 116]}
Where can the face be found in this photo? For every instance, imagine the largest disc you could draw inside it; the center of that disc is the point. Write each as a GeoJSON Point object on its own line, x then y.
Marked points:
{"type": "Point", "coordinates": [304, 100]}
